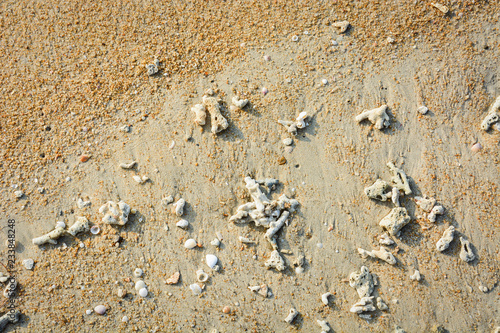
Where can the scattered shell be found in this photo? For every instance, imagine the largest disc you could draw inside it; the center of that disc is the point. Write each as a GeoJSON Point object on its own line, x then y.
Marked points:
{"type": "Point", "coordinates": [28, 263]}
{"type": "Point", "coordinates": [128, 165]}
{"type": "Point", "coordinates": [476, 147]}
{"type": "Point", "coordinates": [125, 128]}
{"type": "Point", "coordinates": [390, 40]}
{"type": "Point", "coordinates": [265, 91]}
{"type": "Point", "coordinates": [267, 58]}
{"type": "Point", "coordinates": [195, 288]}
{"type": "Point", "coordinates": [416, 276]}
{"type": "Point", "coordinates": [121, 293]}
{"type": "Point", "coordinates": [442, 8]}
{"type": "Point", "coordinates": [201, 276]}
{"type": "Point", "coordinates": [60, 224]}
{"type": "Point", "coordinates": [139, 285]}
{"type": "Point", "coordinates": [282, 160]}
{"type": "Point", "coordinates": [212, 261]}
{"type": "Point", "coordinates": [215, 242]}
{"type": "Point", "coordinates": [143, 292]}
{"type": "Point", "coordinates": [82, 204]}
{"type": "Point", "coordinates": [245, 240]}
{"type": "Point", "coordinates": [141, 179]}
{"type": "Point", "coordinates": [190, 244]}
{"type": "Point", "coordinates": [291, 315]}
{"type": "Point", "coordinates": [342, 25]}
{"type": "Point", "coordinates": [138, 272]}
{"type": "Point", "coordinates": [84, 158]}
{"type": "Point", "coordinates": [88, 312]}
{"type": "Point", "coordinates": [324, 82]}
{"type": "Point", "coordinates": [18, 194]}
{"type": "Point", "coordinates": [226, 309]}
{"type": "Point", "coordinates": [423, 109]}
{"type": "Point", "coordinates": [295, 38]}
{"type": "Point", "coordinates": [95, 230]}
{"type": "Point", "coordinates": [100, 309]}
{"type": "Point", "coordinates": [182, 224]}
{"type": "Point", "coordinates": [124, 319]}
{"type": "Point", "coordinates": [287, 141]}
{"type": "Point", "coordinates": [324, 326]}
{"type": "Point", "coordinates": [173, 279]}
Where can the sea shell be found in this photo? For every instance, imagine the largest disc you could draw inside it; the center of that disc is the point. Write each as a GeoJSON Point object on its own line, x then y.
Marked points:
{"type": "Point", "coordinates": [173, 279]}
{"type": "Point", "coordinates": [138, 272]}
{"type": "Point", "coordinates": [95, 229]}
{"type": "Point", "coordinates": [195, 288]}
{"type": "Point", "coordinates": [60, 224]}
{"type": "Point", "coordinates": [182, 224]}
{"type": "Point", "coordinates": [190, 244]}
{"type": "Point", "coordinates": [143, 292]}
{"type": "Point", "coordinates": [100, 309]}
{"type": "Point", "coordinates": [212, 260]}
{"type": "Point", "coordinates": [139, 285]}
{"type": "Point", "coordinates": [201, 276]}
{"type": "Point", "coordinates": [476, 147]}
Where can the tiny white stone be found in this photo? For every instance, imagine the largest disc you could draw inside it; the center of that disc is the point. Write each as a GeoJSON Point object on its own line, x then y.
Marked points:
{"type": "Point", "coordinates": [124, 319]}
{"type": "Point", "coordinates": [190, 244]}
{"type": "Point", "coordinates": [89, 312]}
{"type": "Point", "coordinates": [324, 81]}
{"type": "Point", "coordinates": [195, 288]}
{"type": "Point", "coordinates": [182, 224]}
{"type": "Point", "coordinates": [143, 292]}
{"type": "Point", "coordinates": [18, 194]}
{"type": "Point", "coordinates": [60, 224]}
{"type": "Point", "coordinates": [68, 179]}
{"type": "Point", "coordinates": [215, 242]}
{"type": "Point", "coordinates": [100, 309]}
{"type": "Point", "coordinates": [319, 245]}
{"type": "Point", "coordinates": [287, 141]}
{"type": "Point", "coordinates": [138, 272]}
{"type": "Point", "coordinates": [334, 43]}
{"type": "Point", "coordinates": [28, 263]}
{"type": "Point", "coordinates": [140, 285]}
{"type": "Point", "coordinates": [41, 190]}
{"type": "Point", "coordinates": [423, 109]}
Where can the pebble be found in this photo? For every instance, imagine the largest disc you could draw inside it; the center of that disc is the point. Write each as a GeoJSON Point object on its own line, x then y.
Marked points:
{"type": "Point", "coordinates": [138, 272]}
{"type": "Point", "coordinates": [124, 319]}
{"type": "Point", "coordinates": [125, 129]}
{"type": "Point", "coordinates": [121, 293]}
{"type": "Point", "coordinates": [18, 194]}
{"type": "Point", "coordinates": [140, 285]}
{"type": "Point", "coordinates": [264, 91]}
{"type": "Point", "coordinates": [267, 58]}
{"type": "Point", "coordinates": [281, 160]}
{"type": "Point", "coordinates": [324, 81]}
{"type": "Point", "coordinates": [68, 179]}
{"type": "Point", "coordinates": [190, 244]}
{"type": "Point", "coordinates": [226, 309]}
{"type": "Point", "coordinates": [89, 312]}
{"type": "Point", "coordinates": [28, 263]}
{"type": "Point", "coordinates": [41, 190]}
{"type": "Point", "coordinates": [423, 109]}
{"type": "Point", "coordinates": [335, 43]}
{"type": "Point", "coordinates": [84, 158]}
{"type": "Point", "coordinates": [319, 245]}
{"type": "Point", "coordinates": [100, 309]}
{"type": "Point", "coordinates": [143, 292]}
{"type": "Point", "coordinates": [287, 141]}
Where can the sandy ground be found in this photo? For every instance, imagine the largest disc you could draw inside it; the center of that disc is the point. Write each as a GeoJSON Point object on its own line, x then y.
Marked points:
{"type": "Point", "coordinates": [74, 74]}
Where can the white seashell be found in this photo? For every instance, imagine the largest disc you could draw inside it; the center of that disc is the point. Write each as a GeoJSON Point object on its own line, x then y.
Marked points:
{"type": "Point", "coordinates": [324, 298]}
{"type": "Point", "coordinates": [476, 147]}
{"type": "Point", "coordinates": [143, 292]}
{"type": "Point", "coordinates": [182, 224]}
{"type": "Point", "coordinates": [18, 194]}
{"type": "Point", "coordinates": [138, 272]}
{"type": "Point", "coordinates": [139, 285]}
{"type": "Point", "coordinates": [100, 309]}
{"type": "Point", "coordinates": [295, 38]}
{"type": "Point", "coordinates": [28, 263]}
{"type": "Point", "coordinates": [212, 260]}
{"type": "Point", "coordinates": [95, 230]}
{"type": "Point", "coordinates": [88, 312]}
{"type": "Point", "coordinates": [300, 119]}
{"type": "Point", "coordinates": [423, 109]}
{"type": "Point", "coordinates": [195, 288]}
{"type": "Point", "coordinates": [60, 224]}
{"type": "Point", "coordinates": [215, 242]}
{"type": "Point", "coordinates": [287, 141]}
{"type": "Point", "coordinates": [190, 244]}
{"type": "Point", "coordinates": [124, 319]}
{"type": "Point", "coordinates": [324, 82]}
{"type": "Point", "coordinates": [201, 276]}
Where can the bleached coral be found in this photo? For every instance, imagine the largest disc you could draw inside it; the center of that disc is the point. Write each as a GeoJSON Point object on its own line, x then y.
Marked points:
{"type": "Point", "coordinates": [395, 220]}
{"type": "Point", "coordinates": [382, 254]}
{"type": "Point", "coordinates": [200, 114]}
{"type": "Point", "coordinates": [81, 225]}
{"type": "Point", "coordinates": [292, 126]}
{"type": "Point", "coordinates": [399, 179]}
{"type": "Point", "coordinates": [466, 253]}
{"type": "Point", "coordinates": [219, 123]}
{"type": "Point", "coordinates": [49, 237]}
{"type": "Point", "coordinates": [365, 304]}
{"type": "Point", "coordinates": [444, 242]}
{"type": "Point", "coordinates": [379, 190]}
{"type": "Point", "coordinates": [362, 282]}
{"type": "Point", "coordinates": [493, 116]}
{"type": "Point", "coordinates": [377, 117]}
{"type": "Point", "coordinates": [115, 213]}
{"type": "Point", "coordinates": [276, 261]}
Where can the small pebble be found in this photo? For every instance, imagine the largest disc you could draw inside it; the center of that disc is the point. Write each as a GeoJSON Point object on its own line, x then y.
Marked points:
{"type": "Point", "coordinates": [121, 293]}
{"type": "Point", "coordinates": [324, 81]}
{"type": "Point", "coordinates": [28, 263]}
{"type": "Point", "coordinates": [190, 244]}
{"type": "Point", "coordinates": [287, 141]}
{"type": "Point", "coordinates": [140, 285]}
{"type": "Point", "coordinates": [264, 91]}
{"type": "Point", "coordinates": [18, 194]}
{"type": "Point", "coordinates": [84, 158]}
{"type": "Point", "coordinates": [89, 312]}
{"type": "Point", "coordinates": [281, 160]}
{"type": "Point", "coordinates": [476, 147]}
{"type": "Point", "coordinates": [138, 272]}
{"type": "Point", "coordinates": [334, 43]}
{"type": "Point", "coordinates": [423, 109]}
{"type": "Point", "coordinates": [124, 319]}
{"type": "Point", "coordinates": [125, 129]}
{"type": "Point", "coordinates": [41, 190]}
{"type": "Point", "coordinates": [68, 179]}
{"type": "Point", "coordinates": [319, 245]}
{"type": "Point", "coordinates": [267, 58]}
{"type": "Point", "coordinates": [100, 309]}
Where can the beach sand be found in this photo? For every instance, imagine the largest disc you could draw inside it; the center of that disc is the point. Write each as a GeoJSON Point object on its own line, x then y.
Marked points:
{"type": "Point", "coordinates": [74, 74]}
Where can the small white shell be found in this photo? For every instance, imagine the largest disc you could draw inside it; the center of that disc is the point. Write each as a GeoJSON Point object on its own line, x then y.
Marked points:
{"type": "Point", "coordinates": [201, 276]}
{"type": "Point", "coordinates": [190, 244]}
{"type": "Point", "coordinates": [476, 147]}
{"type": "Point", "coordinates": [195, 288]}
{"type": "Point", "coordinates": [100, 309]}
{"type": "Point", "coordinates": [215, 242]}
{"type": "Point", "coordinates": [138, 272]}
{"type": "Point", "coordinates": [182, 224]}
{"type": "Point", "coordinates": [139, 285]}
{"type": "Point", "coordinates": [324, 82]}
{"type": "Point", "coordinates": [212, 260]}
{"type": "Point", "coordinates": [295, 38]}
{"type": "Point", "coordinates": [60, 224]}
{"type": "Point", "coordinates": [143, 292]}
{"type": "Point", "coordinates": [95, 229]}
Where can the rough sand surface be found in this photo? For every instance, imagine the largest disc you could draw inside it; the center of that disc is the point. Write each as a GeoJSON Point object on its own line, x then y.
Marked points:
{"type": "Point", "coordinates": [74, 74]}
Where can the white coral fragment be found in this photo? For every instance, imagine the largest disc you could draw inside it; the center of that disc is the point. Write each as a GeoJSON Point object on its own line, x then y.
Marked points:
{"type": "Point", "coordinates": [493, 116]}
{"type": "Point", "coordinates": [178, 207]}
{"type": "Point", "coordinates": [262, 290]}
{"type": "Point", "coordinates": [416, 276]}
{"type": "Point", "coordinates": [239, 103]}
{"type": "Point", "coordinates": [324, 298]}
{"type": "Point", "coordinates": [444, 242]}
{"type": "Point", "coordinates": [382, 254]}
{"type": "Point", "coordinates": [129, 165]}
{"type": "Point", "coordinates": [276, 261]}
{"type": "Point", "coordinates": [49, 237]}
{"type": "Point", "coordinates": [115, 213]}
{"type": "Point", "coordinates": [291, 316]}
{"type": "Point", "coordinates": [384, 239]}
{"type": "Point", "coordinates": [379, 190]}
{"type": "Point", "coordinates": [324, 326]}
{"type": "Point", "coordinates": [293, 126]}
{"type": "Point", "coordinates": [395, 220]}
{"type": "Point", "coordinates": [437, 210]}
{"type": "Point", "coordinates": [399, 179]}
{"type": "Point", "coordinates": [365, 304]}
{"type": "Point", "coordinates": [362, 282]}
{"type": "Point", "coordinates": [425, 203]}
{"type": "Point", "coordinates": [377, 117]}
{"type": "Point", "coordinates": [200, 114]}
{"type": "Point", "coordinates": [342, 25]}
{"type": "Point", "coordinates": [219, 123]}
{"type": "Point", "coordinates": [81, 225]}
{"type": "Point", "coordinates": [140, 179]}
{"type": "Point", "coordinates": [466, 253]}
{"type": "Point", "coordinates": [381, 304]}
